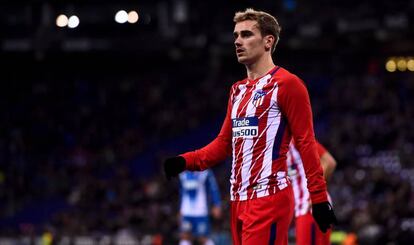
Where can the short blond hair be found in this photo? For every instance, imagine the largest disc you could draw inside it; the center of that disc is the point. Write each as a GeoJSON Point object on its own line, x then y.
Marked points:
{"type": "Point", "coordinates": [267, 24]}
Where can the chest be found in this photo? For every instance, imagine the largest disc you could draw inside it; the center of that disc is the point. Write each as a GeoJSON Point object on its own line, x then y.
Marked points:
{"type": "Point", "coordinates": [250, 101]}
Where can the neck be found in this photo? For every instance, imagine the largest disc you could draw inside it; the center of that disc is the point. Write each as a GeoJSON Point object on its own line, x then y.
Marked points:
{"type": "Point", "coordinates": [260, 68]}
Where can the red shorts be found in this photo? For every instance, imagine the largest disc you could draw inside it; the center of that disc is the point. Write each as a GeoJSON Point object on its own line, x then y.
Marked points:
{"type": "Point", "coordinates": [262, 220]}
{"type": "Point", "coordinates": [308, 232]}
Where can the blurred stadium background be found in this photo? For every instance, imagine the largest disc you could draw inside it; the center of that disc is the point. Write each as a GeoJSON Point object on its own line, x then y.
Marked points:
{"type": "Point", "coordinates": [91, 102]}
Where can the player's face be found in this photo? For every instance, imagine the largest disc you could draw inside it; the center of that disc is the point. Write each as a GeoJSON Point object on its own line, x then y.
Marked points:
{"type": "Point", "coordinates": [250, 44]}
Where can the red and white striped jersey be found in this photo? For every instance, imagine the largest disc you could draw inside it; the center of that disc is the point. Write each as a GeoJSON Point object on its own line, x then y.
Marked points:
{"type": "Point", "coordinates": [297, 175]}
{"type": "Point", "coordinates": [262, 116]}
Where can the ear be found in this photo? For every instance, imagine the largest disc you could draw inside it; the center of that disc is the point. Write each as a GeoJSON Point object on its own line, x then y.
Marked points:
{"type": "Point", "coordinates": [269, 41]}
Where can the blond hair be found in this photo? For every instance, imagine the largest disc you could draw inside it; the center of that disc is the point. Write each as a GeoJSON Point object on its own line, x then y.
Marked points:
{"type": "Point", "coordinates": [266, 23]}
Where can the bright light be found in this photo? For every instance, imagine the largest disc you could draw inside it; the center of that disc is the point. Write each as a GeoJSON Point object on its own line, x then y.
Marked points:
{"type": "Point", "coordinates": [402, 64]}
{"type": "Point", "coordinates": [121, 16]}
{"type": "Point", "coordinates": [410, 64]}
{"type": "Point", "coordinates": [133, 17]}
{"type": "Point", "coordinates": [73, 21]}
{"type": "Point", "coordinates": [62, 20]}
{"type": "Point", "coordinates": [391, 66]}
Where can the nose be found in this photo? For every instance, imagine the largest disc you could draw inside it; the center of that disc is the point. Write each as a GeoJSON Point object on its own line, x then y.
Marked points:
{"type": "Point", "coordinates": [237, 42]}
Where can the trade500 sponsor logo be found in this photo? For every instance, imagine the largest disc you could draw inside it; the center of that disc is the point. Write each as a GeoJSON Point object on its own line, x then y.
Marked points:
{"type": "Point", "coordinates": [245, 127]}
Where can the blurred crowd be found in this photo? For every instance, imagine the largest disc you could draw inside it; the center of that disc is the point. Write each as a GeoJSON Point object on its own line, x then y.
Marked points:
{"type": "Point", "coordinates": [71, 144]}
{"type": "Point", "coordinates": [371, 134]}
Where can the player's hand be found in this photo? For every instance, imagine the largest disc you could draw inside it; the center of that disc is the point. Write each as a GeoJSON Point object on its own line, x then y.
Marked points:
{"type": "Point", "coordinates": [173, 166]}
{"type": "Point", "coordinates": [324, 215]}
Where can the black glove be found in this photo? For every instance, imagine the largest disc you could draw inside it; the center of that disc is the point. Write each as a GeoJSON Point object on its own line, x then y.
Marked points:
{"type": "Point", "coordinates": [173, 166]}
{"type": "Point", "coordinates": [324, 215]}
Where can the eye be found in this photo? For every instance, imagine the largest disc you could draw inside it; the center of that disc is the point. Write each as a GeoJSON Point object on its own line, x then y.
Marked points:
{"type": "Point", "coordinates": [246, 33]}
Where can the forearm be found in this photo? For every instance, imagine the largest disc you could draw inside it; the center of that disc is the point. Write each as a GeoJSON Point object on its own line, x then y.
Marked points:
{"type": "Point", "coordinates": [207, 156]}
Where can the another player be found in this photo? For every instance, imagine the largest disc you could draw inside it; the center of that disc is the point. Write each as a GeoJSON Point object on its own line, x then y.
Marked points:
{"type": "Point", "coordinates": [265, 110]}
{"type": "Point", "coordinates": [307, 231]}
{"type": "Point", "coordinates": [198, 189]}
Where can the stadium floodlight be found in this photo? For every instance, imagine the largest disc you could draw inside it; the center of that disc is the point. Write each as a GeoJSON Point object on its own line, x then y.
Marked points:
{"type": "Point", "coordinates": [73, 21]}
{"type": "Point", "coordinates": [402, 64]}
{"type": "Point", "coordinates": [62, 20]}
{"type": "Point", "coordinates": [410, 64]}
{"type": "Point", "coordinates": [133, 17]}
{"type": "Point", "coordinates": [121, 16]}
{"type": "Point", "coordinates": [391, 66]}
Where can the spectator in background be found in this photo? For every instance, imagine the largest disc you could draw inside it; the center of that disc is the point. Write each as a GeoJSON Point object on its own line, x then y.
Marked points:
{"type": "Point", "coordinates": [198, 189]}
{"type": "Point", "coordinates": [307, 231]}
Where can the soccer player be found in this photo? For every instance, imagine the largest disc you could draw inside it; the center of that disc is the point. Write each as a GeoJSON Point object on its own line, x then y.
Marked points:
{"type": "Point", "coordinates": [198, 189]}
{"type": "Point", "coordinates": [265, 110]}
{"type": "Point", "coordinates": [306, 229]}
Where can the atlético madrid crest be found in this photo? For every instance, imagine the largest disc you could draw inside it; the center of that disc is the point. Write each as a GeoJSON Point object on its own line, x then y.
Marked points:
{"type": "Point", "coordinates": [258, 98]}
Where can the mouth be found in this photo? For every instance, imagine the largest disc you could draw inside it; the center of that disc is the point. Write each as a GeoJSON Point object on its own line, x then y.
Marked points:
{"type": "Point", "coordinates": [239, 51]}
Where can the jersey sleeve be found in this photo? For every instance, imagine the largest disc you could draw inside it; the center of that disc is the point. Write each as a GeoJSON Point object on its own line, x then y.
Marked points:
{"type": "Point", "coordinates": [294, 102]}
{"type": "Point", "coordinates": [216, 151]}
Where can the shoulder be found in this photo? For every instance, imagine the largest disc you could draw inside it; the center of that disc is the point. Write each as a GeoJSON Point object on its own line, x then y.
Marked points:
{"type": "Point", "coordinates": [289, 85]}
{"type": "Point", "coordinates": [239, 82]}
{"type": "Point", "coordinates": [283, 76]}
{"type": "Point", "coordinates": [237, 86]}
